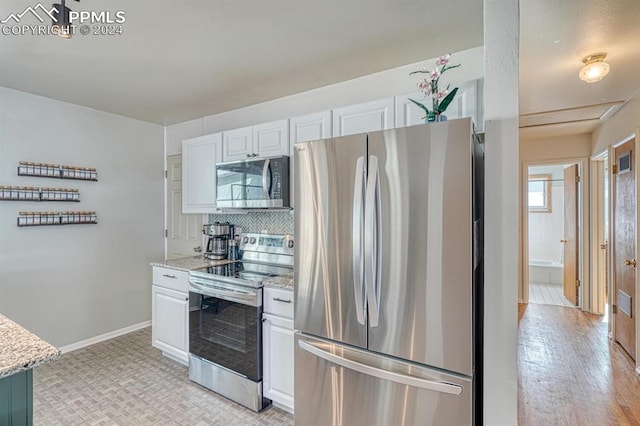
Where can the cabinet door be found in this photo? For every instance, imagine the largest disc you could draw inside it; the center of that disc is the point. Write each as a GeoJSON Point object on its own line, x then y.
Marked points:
{"type": "Point", "coordinates": [302, 129]}
{"type": "Point", "coordinates": [310, 127]}
{"type": "Point", "coordinates": [237, 144]}
{"type": "Point", "coordinates": [169, 326]}
{"type": "Point", "coordinates": [362, 118]}
{"type": "Point", "coordinates": [465, 104]}
{"type": "Point", "coordinates": [271, 139]}
{"type": "Point", "coordinates": [278, 360]}
{"type": "Point", "coordinates": [199, 158]}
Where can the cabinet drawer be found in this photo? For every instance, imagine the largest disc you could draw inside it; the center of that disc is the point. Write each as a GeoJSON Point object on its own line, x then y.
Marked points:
{"type": "Point", "coordinates": [278, 302]}
{"type": "Point", "coordinates": [171, 279]}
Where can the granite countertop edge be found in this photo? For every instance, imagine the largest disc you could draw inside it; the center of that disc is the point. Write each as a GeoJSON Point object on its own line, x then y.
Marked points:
{"type": "Point", "coordinates": [21, 350]}
{"type": "Point", "coordinates": [282, 281]}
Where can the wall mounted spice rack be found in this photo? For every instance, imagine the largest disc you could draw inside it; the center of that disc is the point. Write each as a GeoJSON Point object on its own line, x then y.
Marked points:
{"type": "Point", "coordinates": [57, 218]}
{"type": "Point", "coordinates": [26, 168]}
{"type": "Point", "coordinates": [31, 193]}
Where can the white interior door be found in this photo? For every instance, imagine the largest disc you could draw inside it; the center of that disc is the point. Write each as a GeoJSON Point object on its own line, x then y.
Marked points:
{"type": "Point", "coordinates": [184, 231]}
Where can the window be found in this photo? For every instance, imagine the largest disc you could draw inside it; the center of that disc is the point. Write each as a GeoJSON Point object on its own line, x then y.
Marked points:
{"type": "Point", "coordinates": [540, 193]}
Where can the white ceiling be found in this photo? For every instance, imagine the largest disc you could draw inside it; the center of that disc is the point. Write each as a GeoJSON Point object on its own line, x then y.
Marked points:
{"type": "Point", "coordinates": [554, 37]}
{"type": "Point", "coordinates": [183, 60]}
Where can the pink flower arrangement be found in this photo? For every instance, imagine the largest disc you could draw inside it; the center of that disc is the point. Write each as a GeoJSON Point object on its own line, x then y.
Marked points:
{"type": "Point", "coordinates": [429, 87]}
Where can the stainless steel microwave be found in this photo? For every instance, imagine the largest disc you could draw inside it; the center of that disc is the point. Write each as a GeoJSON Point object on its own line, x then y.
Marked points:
{"type": "Point", "coordinates": [257, 183]}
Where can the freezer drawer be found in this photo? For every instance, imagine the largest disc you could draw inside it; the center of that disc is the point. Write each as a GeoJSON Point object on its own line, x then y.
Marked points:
{"type": "Point", "coordinates": [339, 385]}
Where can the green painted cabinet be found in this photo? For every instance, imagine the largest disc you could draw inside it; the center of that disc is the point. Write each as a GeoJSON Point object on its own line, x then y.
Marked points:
{"type": "Point", "coordinates": [16, 399]}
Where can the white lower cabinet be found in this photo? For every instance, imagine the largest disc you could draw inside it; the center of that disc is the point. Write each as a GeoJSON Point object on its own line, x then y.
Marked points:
{"type": "Point", "coordinates": [170, 315]}
{"type": "Point", "coordinates": [277, 334]}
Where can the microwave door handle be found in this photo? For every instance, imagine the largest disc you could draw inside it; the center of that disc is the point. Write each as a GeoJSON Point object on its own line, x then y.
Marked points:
{"type": "Point", "coordinates": [358, 281]}
{"type": "Point", "coordinates": [266, 179]}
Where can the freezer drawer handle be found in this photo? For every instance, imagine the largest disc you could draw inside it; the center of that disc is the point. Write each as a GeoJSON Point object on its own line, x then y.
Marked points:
{"type": "Point", "coordinates": [443, 387]}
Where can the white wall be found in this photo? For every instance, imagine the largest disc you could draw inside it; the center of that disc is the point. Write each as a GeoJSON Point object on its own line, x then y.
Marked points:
{"type": "Point", "coordinates": [623, 124]}
{"type": "Point", "coordinates": [555, 148]}
{"type": "Point", "coordinates": [70, 283]}
{"type": "Point", "coordinates": [547, 229]}
{"type": "Point", "coordinates": [380, 85]}
{"type": "Point", "coordinates": [501, 35]}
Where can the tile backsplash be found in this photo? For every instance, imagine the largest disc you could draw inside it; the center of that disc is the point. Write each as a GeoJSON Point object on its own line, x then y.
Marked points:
{"type": "Point", "coordinates": [271, 222]}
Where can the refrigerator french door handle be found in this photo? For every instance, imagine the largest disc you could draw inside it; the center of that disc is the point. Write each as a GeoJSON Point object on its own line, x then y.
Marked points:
{"type": "Point", "coordinates": [372, 243]}
{"type": "Point", "coordinates": [266, 184]}
{"type": "Point", "coordinates": [443, 387]}
{"type": "Point", "coordinates": [358, 279]}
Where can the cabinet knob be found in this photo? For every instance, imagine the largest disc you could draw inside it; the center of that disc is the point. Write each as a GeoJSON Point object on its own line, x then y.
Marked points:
{"type": "Point", "coordinates": [630, 262]}
{"type": "Point", "coordinates": [264, 320]}
{"type": "Point", "coordinates": [248, 155]}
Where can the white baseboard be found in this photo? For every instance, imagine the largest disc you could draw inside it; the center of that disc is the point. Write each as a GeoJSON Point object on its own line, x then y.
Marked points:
{"type": "Point", "coordinates": [103, 337]}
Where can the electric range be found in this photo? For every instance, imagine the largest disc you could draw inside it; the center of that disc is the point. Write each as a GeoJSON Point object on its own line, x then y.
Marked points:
{"type": "Point", "coordinates": [225, 318]}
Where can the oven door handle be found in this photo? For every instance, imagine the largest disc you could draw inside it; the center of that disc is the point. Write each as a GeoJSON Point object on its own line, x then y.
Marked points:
{"type": "Point", "coordinates": [245, 298]}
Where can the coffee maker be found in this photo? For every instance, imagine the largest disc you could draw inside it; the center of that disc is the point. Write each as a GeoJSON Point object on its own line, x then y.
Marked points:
{"type": "Point", "coordinates": [219, 235]}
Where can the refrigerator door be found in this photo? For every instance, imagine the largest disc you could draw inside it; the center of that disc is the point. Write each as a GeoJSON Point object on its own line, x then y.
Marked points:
{"type": "Point", "coordinates": [425, 302]}
{"type": "Point", "coordinates": [329, 284]}
{"type": "Point", "coordinates": [339, 385]}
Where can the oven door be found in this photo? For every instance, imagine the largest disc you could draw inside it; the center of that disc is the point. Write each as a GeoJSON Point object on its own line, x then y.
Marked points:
{"type": "Point", "coordinates": [225, 327]}
{"type": "Point", "coordinates": [261, 183]}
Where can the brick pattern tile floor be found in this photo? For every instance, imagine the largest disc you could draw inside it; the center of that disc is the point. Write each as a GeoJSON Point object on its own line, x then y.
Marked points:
{"type": "Point", "coordinates": [125, 381]}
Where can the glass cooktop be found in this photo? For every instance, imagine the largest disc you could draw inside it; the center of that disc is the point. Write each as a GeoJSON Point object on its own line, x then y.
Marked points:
{"type": "Point", "coordinates": [244, 272]}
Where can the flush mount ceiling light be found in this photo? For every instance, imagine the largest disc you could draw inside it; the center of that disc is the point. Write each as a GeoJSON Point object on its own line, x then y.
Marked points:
{"type": "Point", "coordinates": [61, 23]}
{"type": "Point", "coordinates": [595, 68]}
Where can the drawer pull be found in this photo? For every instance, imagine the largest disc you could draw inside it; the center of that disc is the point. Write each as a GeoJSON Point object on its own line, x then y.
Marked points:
{"type": "Point", "coordinates": [277, 299]}
{"type": "Point", "coordinates": [170, 276]}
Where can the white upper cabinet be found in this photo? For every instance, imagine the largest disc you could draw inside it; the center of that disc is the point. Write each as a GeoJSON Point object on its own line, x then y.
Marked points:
{"type": "Point", "coordinates": [263, 140]}
{"type": "Point", "coordinates": [271, 139]}
{"type": "Point", "coordinates": [237, 144]}
{"type": "Point", "coordinates": [467, 103]}
{"type": "Point", "coordinates": [361, 118]}
{"type": "Point", "coordinates": [199, 158]}
{"type": "Point", "coordinates": [309, 127]}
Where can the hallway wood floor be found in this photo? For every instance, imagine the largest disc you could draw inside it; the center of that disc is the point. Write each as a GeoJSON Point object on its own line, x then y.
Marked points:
{"type": "Point", "coordinates": [569, 373]}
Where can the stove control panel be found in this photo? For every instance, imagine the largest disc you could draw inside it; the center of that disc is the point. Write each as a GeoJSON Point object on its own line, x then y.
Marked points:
{"type": "Point", "coordinates": [268, 243]}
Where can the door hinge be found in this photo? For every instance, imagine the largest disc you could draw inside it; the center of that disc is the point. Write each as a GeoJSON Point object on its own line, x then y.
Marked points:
{"type": "Point", "coordinates": [166, 174]}
{"type": "Point", "coordinates": [614, 169]}
{"type": "Point", "coordinates": [166, 233]}
{"type": "Point", "coordinates": [614, 309]}
{"type": "Point", "coordinates": [577, 283]}
{"type": "Point", "coordinates": [577, 179]}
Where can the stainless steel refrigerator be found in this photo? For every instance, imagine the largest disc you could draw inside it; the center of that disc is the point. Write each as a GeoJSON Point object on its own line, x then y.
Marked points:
{"type": "Point", "coordinates": [388, 277]}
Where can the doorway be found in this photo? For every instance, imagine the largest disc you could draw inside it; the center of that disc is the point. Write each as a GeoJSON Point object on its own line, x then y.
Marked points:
{"type": "Point", "coordinates": [553, 241]}
{"type": "Point", "coordinates": [184, 231]}
{"type": "Point", "coordinates": [600, 239]}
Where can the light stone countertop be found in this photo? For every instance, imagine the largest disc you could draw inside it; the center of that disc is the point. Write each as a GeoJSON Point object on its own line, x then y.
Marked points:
{"type": "Point", "coordinates": [283, 281]}
{"type": "Point", "coordinates": [21, 350]}
{"type": "Point", "coordinates": [189, 263]}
